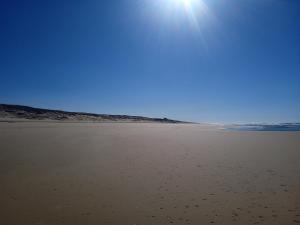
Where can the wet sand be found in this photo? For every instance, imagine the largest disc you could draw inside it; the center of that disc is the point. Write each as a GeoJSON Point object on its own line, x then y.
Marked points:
{"type": "Point", "coordinates": [147, 174]}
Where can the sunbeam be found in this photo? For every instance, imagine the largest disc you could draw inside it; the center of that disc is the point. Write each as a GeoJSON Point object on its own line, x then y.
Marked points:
{"type": "Point", "coordinates": [193, 13]}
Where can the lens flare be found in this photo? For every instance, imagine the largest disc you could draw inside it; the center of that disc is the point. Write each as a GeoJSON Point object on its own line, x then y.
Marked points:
{"type": "Point", "coordinates": [183, 16]}
{"type": "Point", "coordinates": [196, 11]}
{"type": "Point", "coordinates": [187, 3]}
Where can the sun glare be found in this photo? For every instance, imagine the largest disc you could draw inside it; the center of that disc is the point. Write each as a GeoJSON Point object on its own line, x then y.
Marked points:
{"type": "Point", "coordinates": [194, 14]}
{"type": "Point", "coordinates": [182, 3]}
{"type": "Point", "coordinates": [195, 10]}
{"type": "Point", "coordinates": [186, 3]}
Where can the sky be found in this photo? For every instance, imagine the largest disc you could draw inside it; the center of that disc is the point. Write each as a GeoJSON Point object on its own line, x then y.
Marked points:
{"type": "Point", "coordinates": [218, 61]}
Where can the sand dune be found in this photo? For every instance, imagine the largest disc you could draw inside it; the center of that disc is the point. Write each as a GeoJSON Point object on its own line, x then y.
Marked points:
{"type": "Point", "coordinates": [26, 113]}
{"type": "Point", "coordinates": [146, 174]}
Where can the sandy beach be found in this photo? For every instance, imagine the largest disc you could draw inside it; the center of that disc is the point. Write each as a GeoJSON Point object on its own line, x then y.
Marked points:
{"type": "Point", "coordinates": [147, 174]}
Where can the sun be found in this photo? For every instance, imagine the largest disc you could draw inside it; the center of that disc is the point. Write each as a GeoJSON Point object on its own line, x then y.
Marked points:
{"type": "Point", "coordinates": [182, 3]}
{"type": "Point", "coordinates": [186, 3]}
{"type": "Point", "coordinates": [194, 13]}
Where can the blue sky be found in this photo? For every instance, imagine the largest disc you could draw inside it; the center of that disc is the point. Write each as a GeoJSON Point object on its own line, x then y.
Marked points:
{"type": "Point", "coordinates": [238, 61]}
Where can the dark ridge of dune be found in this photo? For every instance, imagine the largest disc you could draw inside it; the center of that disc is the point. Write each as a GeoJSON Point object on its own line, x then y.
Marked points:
{"type": "Point", "coordinates": [11, 112]}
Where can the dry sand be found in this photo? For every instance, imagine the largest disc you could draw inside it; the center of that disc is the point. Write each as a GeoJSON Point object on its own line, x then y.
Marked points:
{"type": "Point", "coordinates": [147, 174]}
